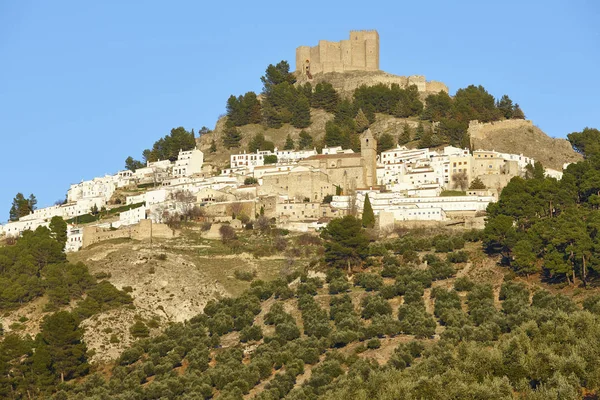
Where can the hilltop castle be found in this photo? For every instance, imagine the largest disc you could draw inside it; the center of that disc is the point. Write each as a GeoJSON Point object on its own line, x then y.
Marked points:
{"type": "Point", "coordinates": [359, 53]}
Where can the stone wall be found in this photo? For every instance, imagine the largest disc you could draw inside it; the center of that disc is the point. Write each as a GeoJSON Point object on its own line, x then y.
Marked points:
{"type": "Point", "coordinates": [359, 53]}
{"type": "Point", "coordinates": [144, 230]}
{"type": "Point", "coordinates": [345, 83]}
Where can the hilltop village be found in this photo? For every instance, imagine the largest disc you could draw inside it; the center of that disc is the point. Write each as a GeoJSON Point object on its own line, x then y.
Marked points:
{"type": "Point", "coordinates": [297, 190]}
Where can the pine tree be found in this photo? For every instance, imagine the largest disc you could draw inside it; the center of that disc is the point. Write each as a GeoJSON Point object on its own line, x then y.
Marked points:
{"type": "Point", "coordinates": [505, 105]}
{"type": "Point", "coordinates": [362, 122]}
{"type": "Point", "coordinates": [518, 113]}
{"type": "Point", "coordinates": [22, 206]}
{"type": "Point", "coordinates": [289, 143]}
{"type": "Point", "coordinates": [477, 184]}
{"type": "Point", "coordinates": [385, 142]}
{"type": "Point", "coordinates": [426, 140]}
{"type": "Point", "coordinates": [301, 112]}
{"type": "Point", "coordinates": [231, 136]}
{"type": "Point", "coordinates": [420, 131]}
{"type": "Point", "coordinates": [306, 140]}
{"type": "Point", "coordinates": [58, 227]}
{"type": "Point", "coordinates": [213, 146]}
{"type": "Point", "coordinates": [368, 217]}
{"type": "Point", "coordinates": [405, 136]}
{"type": "Point", "coordinates": [63, 336]}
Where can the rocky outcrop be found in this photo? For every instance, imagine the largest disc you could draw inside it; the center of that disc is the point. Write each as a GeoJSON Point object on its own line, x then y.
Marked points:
{"type": "Point", "coordinates": [519, 136]}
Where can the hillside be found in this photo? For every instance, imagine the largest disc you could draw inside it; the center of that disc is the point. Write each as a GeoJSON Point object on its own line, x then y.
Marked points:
{"type": "Point", "coordinates": [220, 158]}
{"type": "Point", "coordinates": [409, 317]}
{"type": "Point", "coordinates": [383, 124]}
{"type": "Point", "coordinates": [522, 137]}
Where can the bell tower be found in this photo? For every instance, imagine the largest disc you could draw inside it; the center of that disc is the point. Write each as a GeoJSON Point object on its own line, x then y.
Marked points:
{"type": "Point", "coordinates": [368, 153]}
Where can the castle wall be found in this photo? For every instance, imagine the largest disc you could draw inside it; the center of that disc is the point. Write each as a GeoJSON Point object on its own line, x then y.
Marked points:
{"type": "Point", "coordinates": [478, 130]}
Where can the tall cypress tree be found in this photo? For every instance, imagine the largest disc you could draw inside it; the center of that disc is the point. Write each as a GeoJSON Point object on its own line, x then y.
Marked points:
{"type": "Point", "coordinates": [368, 217]}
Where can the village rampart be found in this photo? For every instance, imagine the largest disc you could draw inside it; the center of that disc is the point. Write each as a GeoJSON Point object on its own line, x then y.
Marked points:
{"type": "Point", "coordinates": [144, 230]}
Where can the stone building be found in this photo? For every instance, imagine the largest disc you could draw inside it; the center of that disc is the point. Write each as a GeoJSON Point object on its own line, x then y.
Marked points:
{"type": "Point", "coordinates": [302, 182]}
{"type": "Point", "coordinates": [349, 170]}
{"type": "Point", "coordinates": [359, 53]}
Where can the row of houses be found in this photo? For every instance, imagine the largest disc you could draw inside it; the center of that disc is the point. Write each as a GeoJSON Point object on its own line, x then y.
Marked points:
{"type": "Point", "coordinates": [300, 187]}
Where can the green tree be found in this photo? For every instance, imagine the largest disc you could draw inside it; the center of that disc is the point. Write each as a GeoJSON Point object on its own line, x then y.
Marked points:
{"type": "Point", "coordinates": [586, 142]}
{"type": "Point", "coordinates": [289, 143]}
{"type": "Point", "coordinates": [231, 136]}
{"type": "Point", "coordinates": [305, 140]}
{"type": "Point", "coordinates": [335, 136]}
{"type": "Point", "coordinates": [270, 159]}
{"type": "Point", "coordinates": [524, 262]}
{"type": "Point", "coordinates": [346, 243]}
{"type": "Point", "coordinates": [406, 135]}
{"type": "Point", "coordinates": [477, 184]}
{"type": "Point", "coordinates": [368, 217]}
{"type": "Point", "coordinates": [426, 140]}
{"type": "Point", "coordinates": [301, 112]}
{"type": "Point", "coordinates": [259, 143]}
{"type": "Point", "coordinates": [139, 330]}
{"type": "Point", "coordinates": [420, 131]}
{"type": "Point", "coordinates": [506, 107]}
{"type": "Point", "coordinates": [325, 97]}
{"type": "Point", "coordinates": [132, 164]}
{"type": "Point", "coordinates": [437, 106]}
{"type": "Point", "coordinates": [454, 131]}
{"type": "Point", "coordinates": [385, 142]}
{"type": "Point", "coordinates": [518, 113]}
{"type": "Point", "coordinates": [168, 147]}
{"type": "Point", "coordinates": [58, 227]}
{"type": "Point", "coordinates": [213, 146]}
{"type": "Point", "coordinates": [474, 102]}
{"type": "Point", "coordinates": [22, 206]}
{"type": "Point", "coordinates": [277, 74]}
{"type": "Point", "coordinates": [361, 120]}
{"type": "Point", "coordinates": [61, 333]}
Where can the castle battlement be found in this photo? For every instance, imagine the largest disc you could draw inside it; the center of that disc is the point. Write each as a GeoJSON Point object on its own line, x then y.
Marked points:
{"type": "Point", "coordinates": [359, 53]}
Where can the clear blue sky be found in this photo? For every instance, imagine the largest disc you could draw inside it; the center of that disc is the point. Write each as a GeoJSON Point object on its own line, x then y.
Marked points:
{"type": "Point", "coordinates": [85, 84]}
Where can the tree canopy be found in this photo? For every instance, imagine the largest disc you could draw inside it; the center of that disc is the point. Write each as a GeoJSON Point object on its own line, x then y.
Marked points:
{"type": "Point", "coordinates": [22, 206]}
{"type": "Point", "coordinates": [346, 243]}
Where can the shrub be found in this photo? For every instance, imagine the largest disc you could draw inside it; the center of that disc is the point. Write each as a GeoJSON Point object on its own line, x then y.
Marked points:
{"type": "Point", "coordinates": [463, 284]}
{"type": "Point", "coordinates": [227, 233]}
{"type": "Point", "coordinates": [458, 257]}
{"type": "Point", "coordinates": [339, 285]}
{"type": "Point", "coordinates": [139, 330]}
{"type": "Point", "coordinates": [444, 246]}
{"type": "Point", "coordinates": [474, 235]}
{"type": "Point", "coordinates": [333, 273]}
{"type": "Point", "coordinates": [374, 343]}
{"type": "Point", "coordinates": [244, 275]}
{"type": "Point", "coordinates": [375, 305]}
{"type": "Point", "coordinates": [287, 331]}
{"type": "Point", "coordinates": [251, 333]}
{"type": "Point", "coordinates": [368, 281]}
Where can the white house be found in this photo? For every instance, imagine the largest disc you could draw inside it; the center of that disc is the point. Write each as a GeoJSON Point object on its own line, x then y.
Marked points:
{"type": "Point", "coordinates": [74, 238]}
{"type": "Point", "coordinates": [16, 228]}
{"type": "Point", "coordinates": [133, 216]}
{"type": "Point", "coordinates": [188, 163]}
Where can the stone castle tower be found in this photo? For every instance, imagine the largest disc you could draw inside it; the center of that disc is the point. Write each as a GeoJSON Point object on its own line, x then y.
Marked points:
{"type": "Point", "coordinates": [359, 53]}
{"type": "Point", "coordinates": [368, 153]}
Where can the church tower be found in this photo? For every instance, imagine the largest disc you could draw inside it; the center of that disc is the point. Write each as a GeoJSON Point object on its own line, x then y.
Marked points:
{"type": "Point", "coordinates": [368, 153]}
